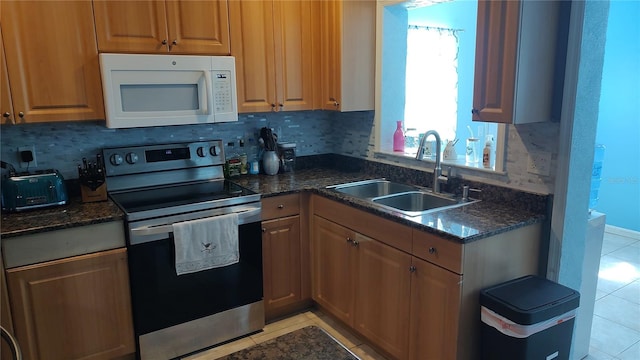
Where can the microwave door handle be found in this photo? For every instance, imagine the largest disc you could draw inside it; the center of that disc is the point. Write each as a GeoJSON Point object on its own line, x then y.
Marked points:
{"type": "Point", "coordinates": [206, 101]}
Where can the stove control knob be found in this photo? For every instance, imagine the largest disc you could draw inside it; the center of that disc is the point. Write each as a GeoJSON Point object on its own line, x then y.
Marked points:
{"type": "Point", "coordinates": [200, 151]}
{"type": "Point", "coordinates": [212, 151]}
{"type": "Point", "coordinates": [132, 158]}
{"type": "Point", "coordinates": [116, 159]}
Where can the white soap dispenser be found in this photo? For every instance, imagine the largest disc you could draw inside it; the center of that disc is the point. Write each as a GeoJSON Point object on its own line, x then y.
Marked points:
{"type": "Point", "coordinates": [486, 153]}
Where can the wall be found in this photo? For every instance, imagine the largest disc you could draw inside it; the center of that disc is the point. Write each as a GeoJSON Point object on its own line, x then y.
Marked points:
{"type": "Point", "coordinates": [63, 145]}
{"type": "Point", "coordinates": [618, 125]}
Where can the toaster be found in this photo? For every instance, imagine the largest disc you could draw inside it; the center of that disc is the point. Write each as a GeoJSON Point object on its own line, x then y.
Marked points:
{"type": "Point", "coordinates": [31, 191]}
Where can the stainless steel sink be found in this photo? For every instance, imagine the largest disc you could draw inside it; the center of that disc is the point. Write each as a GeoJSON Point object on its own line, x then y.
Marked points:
{"type": "Point", "coordinates": [406, 199]}
{"type": "Point", "coordinates": [369, 189]}
{"type": "Point", "coordinates": [415, 201]}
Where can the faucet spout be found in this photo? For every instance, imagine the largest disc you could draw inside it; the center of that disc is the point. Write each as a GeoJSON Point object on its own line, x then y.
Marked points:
{"type": "Point", "coordinates": [437, 169]}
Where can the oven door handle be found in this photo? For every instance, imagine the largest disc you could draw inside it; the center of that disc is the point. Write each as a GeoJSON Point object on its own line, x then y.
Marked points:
{"type": "Point", "coordinates": [163, 229]}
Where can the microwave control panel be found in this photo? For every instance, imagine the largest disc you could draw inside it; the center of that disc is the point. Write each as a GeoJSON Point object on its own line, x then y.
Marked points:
{"type": "Point", "coordinates": [222, 91]}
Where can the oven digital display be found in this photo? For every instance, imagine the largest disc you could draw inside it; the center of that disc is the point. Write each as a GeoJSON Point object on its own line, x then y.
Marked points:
{"type": "Point", "coordinates": [167, 154]}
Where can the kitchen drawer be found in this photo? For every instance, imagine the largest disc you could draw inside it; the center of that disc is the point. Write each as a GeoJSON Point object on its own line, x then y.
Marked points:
{"type": "Point", "coordinates": [64, 243]}
{"type": "Point", "coordinates": [441, 252]}
{"type": "Point", "coordinates": [280, 206]}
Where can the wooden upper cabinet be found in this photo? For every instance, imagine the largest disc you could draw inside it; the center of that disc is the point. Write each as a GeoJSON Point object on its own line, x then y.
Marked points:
{"type": "Point", "coordinates": [273, 47]}
{"type": "Point", "coordinates": [6, 106]}
{"type": "Point", "coordinates": [52, 61]}
{"type": "Point", "coordinates": [515, 61]}
{"type": "Point", "coordinates": [181, 27]}
{"type": "Point", "coordinates": [348, 39]}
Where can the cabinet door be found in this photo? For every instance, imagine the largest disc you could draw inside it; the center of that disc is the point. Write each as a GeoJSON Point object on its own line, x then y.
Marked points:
{"type": "Point", "coordinates": [383, 295]}
{"type": "Point", "coordinates": [52, 60]}
{"type": "Point", "coordinates": [198, 27]}
{"type": "Point", "coordinates": [293, 54]}
{"type": "Point", "coordinates": [435, 305]}
{"type": "Point", "coordinates": [331, 54]}
{"type": "Point", "coordinates": [5, 314]}
{"type": "Point", "coordinates": [74, 308]}
{"type": "Point", "coordinates": [131, 26]}
{"type": "Point", "coordinates": [281, 263]}
{"type": "Point", "coordinates": [334, 263]}
{"type": "Point", "coordinates": [6, 107]}
{"type": "Point", "coordinates": [496, 56]}
{"type": "Point", "coordinates": [252, 44]}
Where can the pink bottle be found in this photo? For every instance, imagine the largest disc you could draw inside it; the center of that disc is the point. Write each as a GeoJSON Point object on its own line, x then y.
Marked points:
{"type": "Point", "coordinates": [398, 138]}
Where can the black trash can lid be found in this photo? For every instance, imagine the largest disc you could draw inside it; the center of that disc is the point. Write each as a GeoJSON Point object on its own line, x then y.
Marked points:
{"type": "Point", "coordinates": [529, 299]}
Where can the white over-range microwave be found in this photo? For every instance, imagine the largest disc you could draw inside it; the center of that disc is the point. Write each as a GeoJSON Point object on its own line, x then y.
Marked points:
{"type": "Point", "coordinates": [158, 90]}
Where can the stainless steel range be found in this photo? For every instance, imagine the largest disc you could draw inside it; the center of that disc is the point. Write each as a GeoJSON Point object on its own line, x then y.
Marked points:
{"type": "Point", "coordinates": [158, 186]}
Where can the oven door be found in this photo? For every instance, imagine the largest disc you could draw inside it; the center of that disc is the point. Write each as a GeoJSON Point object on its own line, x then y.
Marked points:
{"type": "Point", "coordinates": [165, 304]}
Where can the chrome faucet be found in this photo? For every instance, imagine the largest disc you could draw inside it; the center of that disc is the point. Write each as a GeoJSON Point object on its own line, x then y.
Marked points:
{"type": "Point", "coordinates": [437, 170]}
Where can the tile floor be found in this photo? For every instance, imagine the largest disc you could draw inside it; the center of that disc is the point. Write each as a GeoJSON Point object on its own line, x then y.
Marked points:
{"type": "Point", "coordinates": [615, 332]}
{"type": "Point", "coordinates": [281, 327]}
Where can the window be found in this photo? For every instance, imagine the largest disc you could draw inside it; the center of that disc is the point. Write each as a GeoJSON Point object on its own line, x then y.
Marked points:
{"type": "Point", "coordinates": [431, 100]}
{"type": "Point", "coordinates": [427, 76]}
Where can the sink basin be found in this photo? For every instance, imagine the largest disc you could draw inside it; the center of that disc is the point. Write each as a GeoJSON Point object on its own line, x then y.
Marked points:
{"type": "Point", "coordinates": [373, 188]}
{"type": "Point", "coordinates": [406, 199]}
{"type": "Point", "coordinates": [415, 201]}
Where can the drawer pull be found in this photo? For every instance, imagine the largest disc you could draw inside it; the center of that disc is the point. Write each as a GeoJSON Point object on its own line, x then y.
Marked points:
{"type": "Point", "coordinates": [412, 269]}
{"type": "Point", "coordinates": [280, 206]}
{"type": "Point", "coordinates": [432, 250]}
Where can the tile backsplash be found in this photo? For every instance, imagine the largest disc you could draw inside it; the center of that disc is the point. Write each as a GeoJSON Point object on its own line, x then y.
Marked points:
{"type": "Point", "coordinates": [63, 145]}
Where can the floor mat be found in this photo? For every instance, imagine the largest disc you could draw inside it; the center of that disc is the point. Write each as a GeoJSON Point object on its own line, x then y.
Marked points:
{"type": "Point", "coordinates": [308, 343]}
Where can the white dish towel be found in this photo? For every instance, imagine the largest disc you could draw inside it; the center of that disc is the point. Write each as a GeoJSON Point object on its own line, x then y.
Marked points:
{"type": "Point", "coordinates": [206, 243]}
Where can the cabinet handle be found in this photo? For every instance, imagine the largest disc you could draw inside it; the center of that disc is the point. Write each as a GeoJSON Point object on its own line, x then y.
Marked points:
{"type": "Point", "coordinates": [264, 230]}
{"type": "Point", "coordinates": [280, 206]}
{"type": "Point", "coordinates": [164, 41]}
{"type": "Point", "coordinates": [475, 111]}
{"type": "Point", "coordinates": [173, 43]}
{"type": "Point", "coordinates": [281, 106]}
{"type": "Point", "coordinates": [21, 114]}
{"type": "Point", "coordinates": [273, 107]}
{"type": "Point", "coordinates": [412, 269]}
{"type": "Point", "coordinates": [432, 250]}
{"type": "Point", "coordinates": [335, 102]}
{"type": "Point", "coordinates": [349, 240]}
{"type": "Point", "coordinates": [7, 116]}
{"type": "Point", "coordinates": [356, 243]}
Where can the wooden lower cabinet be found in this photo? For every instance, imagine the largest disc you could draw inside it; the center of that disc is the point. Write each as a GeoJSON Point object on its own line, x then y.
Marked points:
{"type": "Point", "coordinates": [364, 283]}
{"type": "Point", "coordinates": [412, 294]}
{"type": "Point", "coordinates": [383, 297]}
{"type": "Point", "coordinates": [435, 305]}
{"type": "Point", "coordinates": [285, 255]}
{"type": "Point", "coordinates": [281, 263]}
{"type": "Point", "coordinates": [333, 266]}
{"type": "Point", "coordinates": [73, 308]}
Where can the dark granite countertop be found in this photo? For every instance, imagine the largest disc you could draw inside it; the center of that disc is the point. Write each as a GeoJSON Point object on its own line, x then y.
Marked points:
{"type": "Point", "coordinates": [463, 224]}
{"type": "Point", "coordinates": [75, 213]}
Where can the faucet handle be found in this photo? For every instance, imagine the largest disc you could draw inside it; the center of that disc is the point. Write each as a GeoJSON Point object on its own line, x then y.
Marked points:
{"type": "Point", "coordinates": [465, 192]}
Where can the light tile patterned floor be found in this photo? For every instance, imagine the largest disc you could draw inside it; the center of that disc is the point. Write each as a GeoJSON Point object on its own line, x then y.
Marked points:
{"type": "Point", "coordinates": [615, 333]}
{"type": "Point", "coordinates": [275, 329]}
